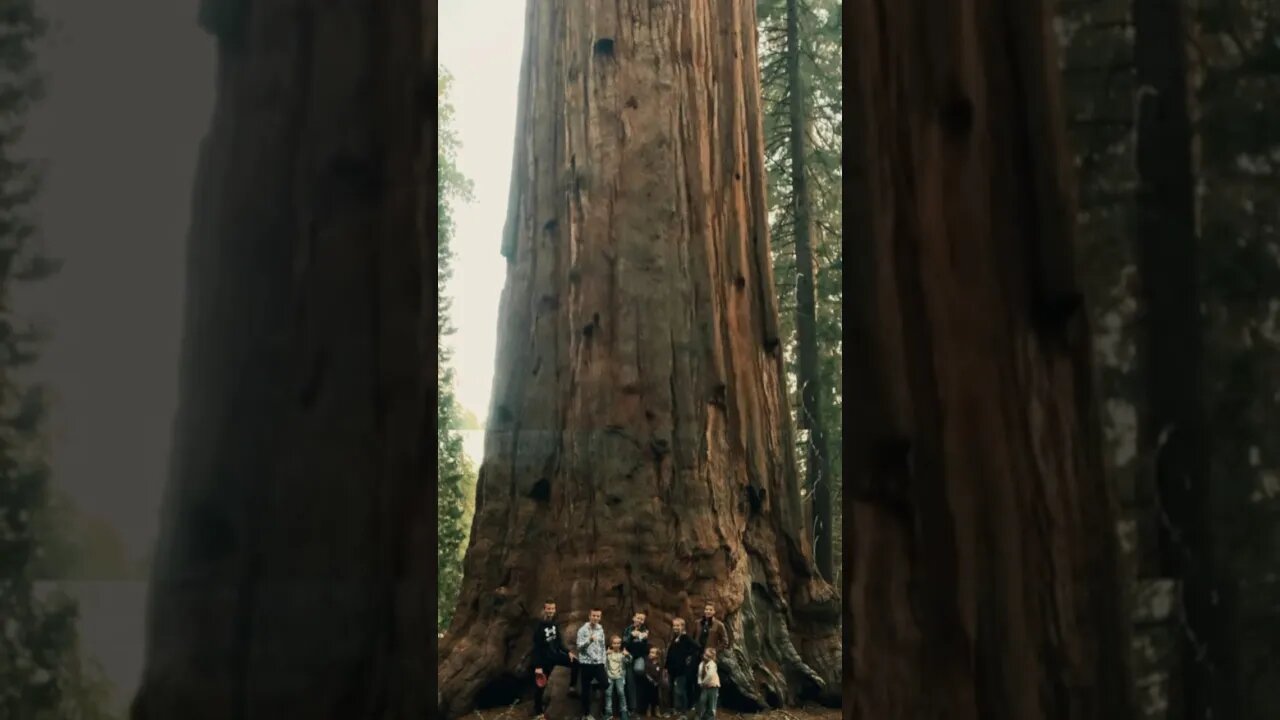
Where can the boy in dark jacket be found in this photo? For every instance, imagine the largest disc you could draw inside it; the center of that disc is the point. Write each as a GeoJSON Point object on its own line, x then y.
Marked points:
{"type": "Point", "coordinates": [549, 652]}
{"type": "Point", "coordinates": [652, 689]}
{"type": "Point", "coordinates": [682, 658]}
{"type": "Point", "coordinates": [636, 641]}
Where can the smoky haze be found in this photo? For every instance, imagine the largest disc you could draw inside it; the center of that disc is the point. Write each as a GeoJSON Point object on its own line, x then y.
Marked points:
{"type": "Point", "coordinates": [129, 90]}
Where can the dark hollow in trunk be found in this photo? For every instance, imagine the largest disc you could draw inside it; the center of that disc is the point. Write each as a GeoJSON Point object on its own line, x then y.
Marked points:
{"type": "Point", "coordinates": [293, 570]}
{"type": "Point", "coordinates": [639, 452]}
{"type": "Point", "coordinates": [983, 579]}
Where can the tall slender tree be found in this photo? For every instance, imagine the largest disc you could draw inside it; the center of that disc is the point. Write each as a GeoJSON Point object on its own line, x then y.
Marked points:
{"type": "Point", "coordinates": [293, 574]}
{"type": "Point", "coordinates": [800, 78]}
{"type": "Point", "coordinates": [1174, 426]}
{"type": "Point", "coordinates": [985, 580]}
{"type": "Point", "coordinates": [810, 379]}
{"type": "Point", "coordinates": [639, 452]}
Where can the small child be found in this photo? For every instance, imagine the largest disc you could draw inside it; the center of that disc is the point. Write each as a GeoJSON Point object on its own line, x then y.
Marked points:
{"type": "Point", "coordinates": [615, 666]}
{"type": "Point", "coordinates": [709, 681]}
{"type": "Point", "coordinates": [649, 699]}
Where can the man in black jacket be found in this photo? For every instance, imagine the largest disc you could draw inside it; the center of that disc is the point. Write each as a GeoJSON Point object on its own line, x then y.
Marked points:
{"type": "Point", "coordinates": [636, 641]}
{"type": "Point", "coordinates": [682, 665]}
{"type": "Point", "coordinates": [549, 652]}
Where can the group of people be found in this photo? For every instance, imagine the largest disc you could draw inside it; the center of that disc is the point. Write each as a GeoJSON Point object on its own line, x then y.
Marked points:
{"type": "Point", "coordinates": [645, 677]}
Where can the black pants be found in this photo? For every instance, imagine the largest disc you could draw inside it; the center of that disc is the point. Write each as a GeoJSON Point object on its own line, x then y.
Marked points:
{"type": "Point", "coordinates": [539, 693]}
{"type": "Point", "coordinates": [646, 696]}
{"type": "Point", "coordinates": [587, 673]}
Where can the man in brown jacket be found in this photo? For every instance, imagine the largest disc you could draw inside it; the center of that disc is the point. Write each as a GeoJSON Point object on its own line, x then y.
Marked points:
{"type": "Point", "coordinates": [709, 633]}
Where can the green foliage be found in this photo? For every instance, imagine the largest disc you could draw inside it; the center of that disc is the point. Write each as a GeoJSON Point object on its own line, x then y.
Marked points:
{"type": "Point", "coordinates": [41, 674]}
{"type": "Point", "coordinates": [454, 471]}
{"type": "Point", "coordinates": [820, 66]}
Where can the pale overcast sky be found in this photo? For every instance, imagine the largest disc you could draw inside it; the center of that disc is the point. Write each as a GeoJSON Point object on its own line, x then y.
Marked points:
{"type": "Point", "coordinates": [480, 44]}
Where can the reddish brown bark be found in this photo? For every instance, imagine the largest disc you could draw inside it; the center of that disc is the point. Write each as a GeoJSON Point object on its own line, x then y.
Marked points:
{"type": "Point", "coordinates": [984, 579]}
{"type": "Point", "coordinates": [292, 577]}
{"type": "Point", "coordinates": [639, 453]}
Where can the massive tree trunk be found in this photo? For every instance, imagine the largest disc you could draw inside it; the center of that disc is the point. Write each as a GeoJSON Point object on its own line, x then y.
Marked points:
{"type": "Point", "coordinates": [810, 379]}
{"type": "Point", "coordinates": [983, 579]}
{"type": "Point", "coordinates": [292, 576]}
{"type": "Point", "coordinates": [1173, 426]}
{"type": "Point", "coordinates": [639, 452]}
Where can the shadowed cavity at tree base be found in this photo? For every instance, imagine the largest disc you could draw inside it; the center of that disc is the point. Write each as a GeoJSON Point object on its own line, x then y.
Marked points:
{"type": "Point", "coordinates": [648, 463]}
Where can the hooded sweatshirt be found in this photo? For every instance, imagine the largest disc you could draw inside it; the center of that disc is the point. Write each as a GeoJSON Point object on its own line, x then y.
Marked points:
{"type": "Point", "coordinates": [548, 646]}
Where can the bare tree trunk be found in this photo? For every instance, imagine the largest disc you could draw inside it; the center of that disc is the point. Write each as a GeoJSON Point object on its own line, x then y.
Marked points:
{"type": "Point", "coordinates": [983, 580]}
{"type": "Point", "coordinates": [1174, 427]}
{"type": "Point", "coordinates": [639, 452]}
{"type": "Point", "coordinates": [292, 577]}
{"type": "Point", "coordinates": [817, 464]}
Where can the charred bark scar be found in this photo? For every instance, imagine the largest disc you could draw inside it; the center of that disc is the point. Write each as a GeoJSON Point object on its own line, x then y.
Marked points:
{"type": "Point", "coordinates": [1056, 317]}
{"type": "Point", "coordinates": [226, 20]}
{"type": "Point", "coordinates": [361, 175]}
{"type": "Point", "coordinates": [755, 498]}
{"type": "Point", "coordinates": [718, 396]}
{"type": "Point", "coordinates": [541, 490]}
{"type": "Point", "coordinates": [209, 535]}
{"type": "Point", "coordinates": [315, 378]}
{"type": "Point", "coordinates": [956, 117]}
{"type": "Point", "coordinates": [887, 481]}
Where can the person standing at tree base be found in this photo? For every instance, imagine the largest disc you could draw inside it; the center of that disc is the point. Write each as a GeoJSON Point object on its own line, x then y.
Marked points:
{"type": "Point", "coordinates": [709, 685]}
{"type": "Point", "coordinates": [712, 635]}
{"type": "Point", "coordinates": [616, 660]}
{"type": "Point", "coordinates": [636, 640]}
{"type": "Point", "coordinates": [650, 695]}
{"type": "Point", "coordinates": [549, 653]}
{"type": "Point", "coordinates": [682, 652]}
{"type": "Point", "coordinates": [591, 659]}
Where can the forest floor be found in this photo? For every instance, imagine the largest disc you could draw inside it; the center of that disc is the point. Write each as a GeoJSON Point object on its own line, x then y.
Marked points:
{"type": "Point", "coordinates": [521, 712]}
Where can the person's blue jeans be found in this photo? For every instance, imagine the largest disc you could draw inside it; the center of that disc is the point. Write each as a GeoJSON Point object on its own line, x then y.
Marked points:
{"type": "Point", "coordinates": [680, 693]}
{"type": "Point", "coordinates": [707, 703]}
{"type": "Point", "coordinates": [619, 684]}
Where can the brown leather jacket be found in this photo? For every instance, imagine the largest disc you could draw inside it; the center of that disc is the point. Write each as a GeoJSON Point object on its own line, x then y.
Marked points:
{"type": "Point", "coordinates": [717, 636]}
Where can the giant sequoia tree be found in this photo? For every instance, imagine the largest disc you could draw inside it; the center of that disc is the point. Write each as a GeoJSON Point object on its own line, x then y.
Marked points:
{"type": "Point", "coordinates": [983, 578]}
{"type": "Point", "coordinates": [292, 576]}
{"type": "Point", "coordinates": [639, 452]}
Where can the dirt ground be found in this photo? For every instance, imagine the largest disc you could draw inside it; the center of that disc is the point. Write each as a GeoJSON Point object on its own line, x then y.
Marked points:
{"type": "Point", "coordinates": [522, 711]}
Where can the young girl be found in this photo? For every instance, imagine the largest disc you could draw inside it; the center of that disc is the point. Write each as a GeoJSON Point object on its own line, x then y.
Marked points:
{"type": "Point", "coordinates": [615, 667]}
{"type": "Point", "coordinates": [709, 681]}
{"type": "Point", "coordinates": [652, 687]}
